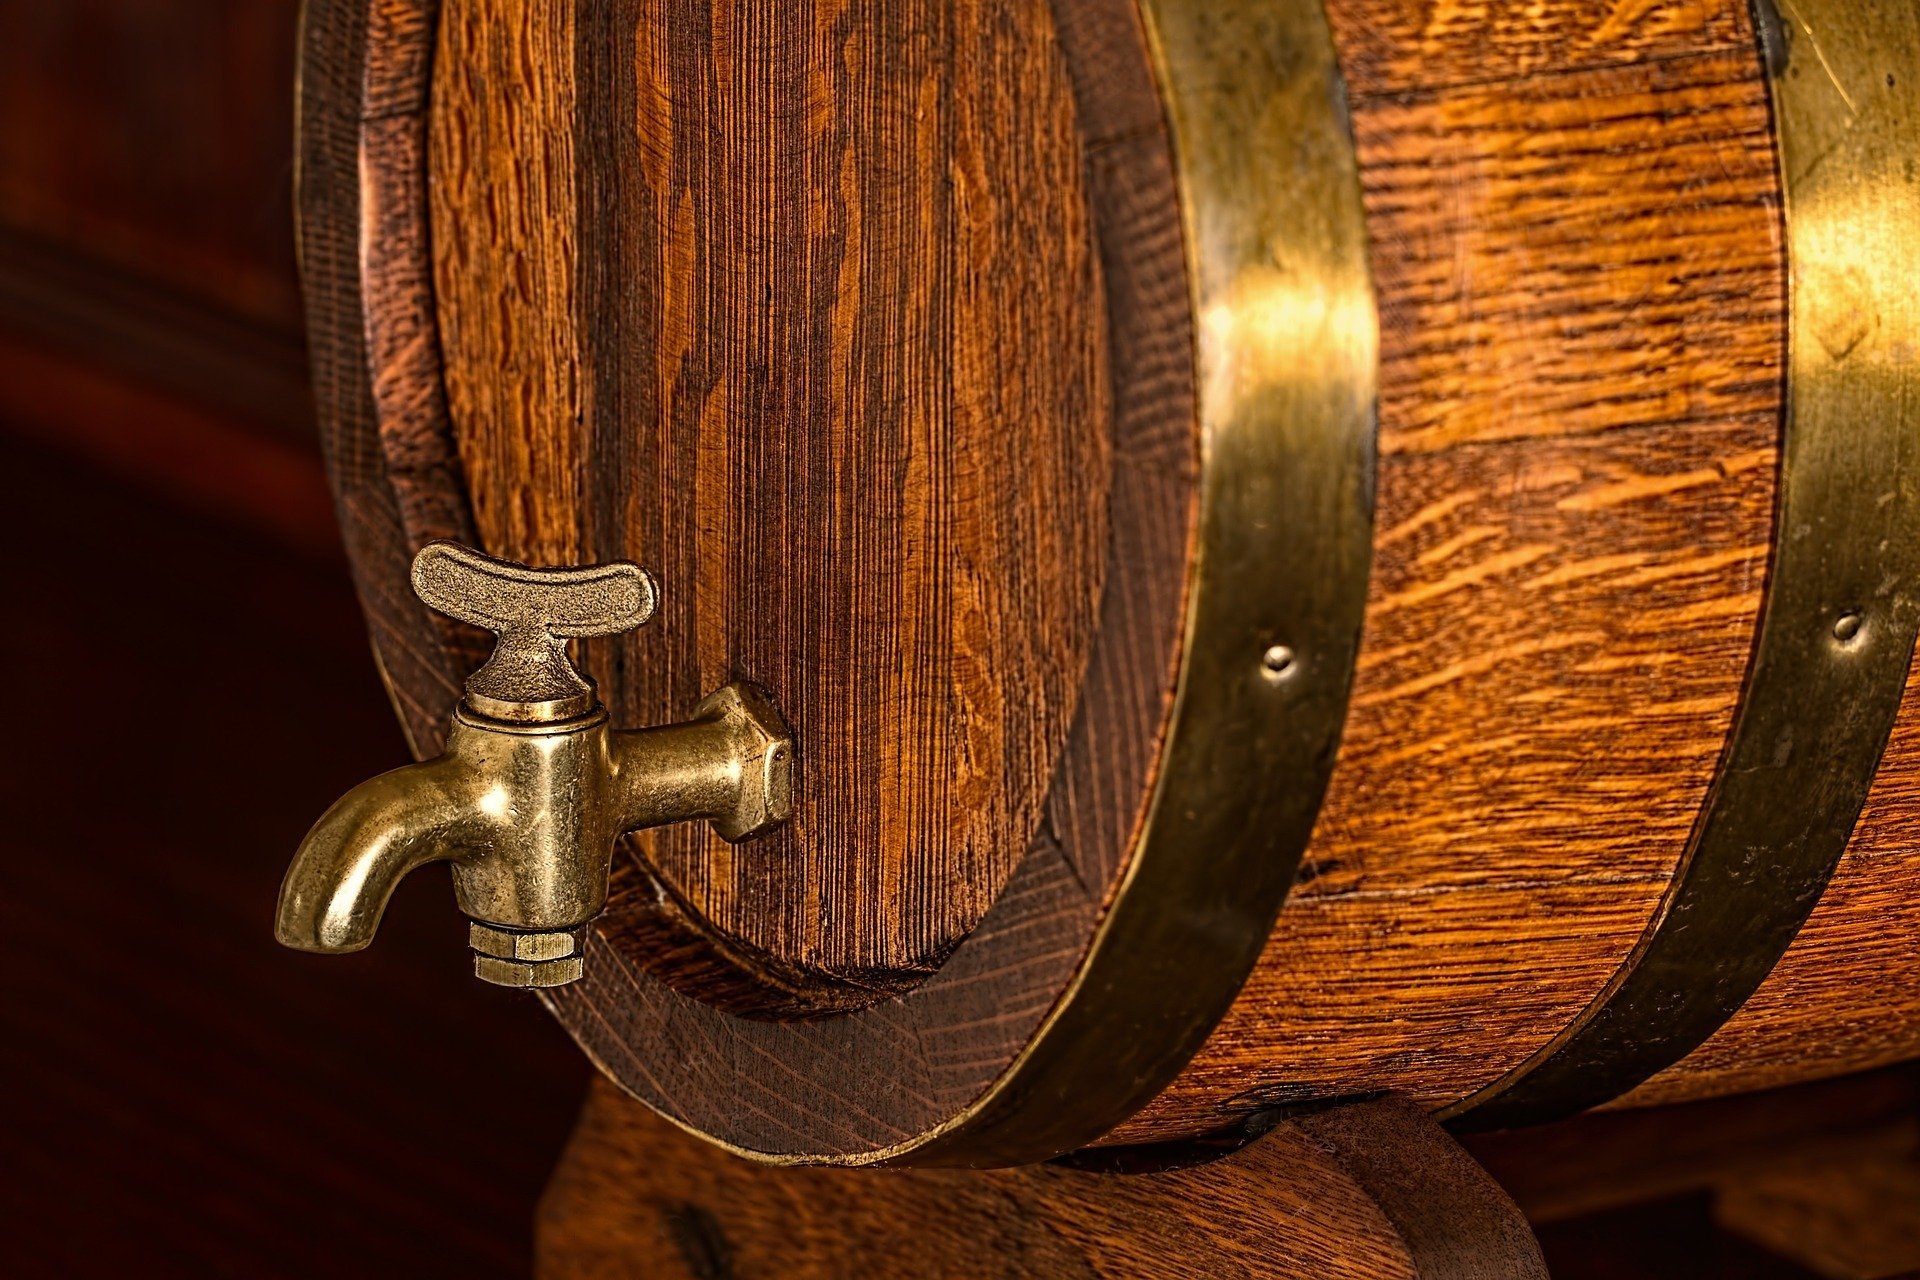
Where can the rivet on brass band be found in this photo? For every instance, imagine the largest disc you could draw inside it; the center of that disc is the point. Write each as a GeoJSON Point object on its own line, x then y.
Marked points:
{"type": "Point", "coordinates": [1843, 599]}
{"type": "Point", "coordinates": [1287, 358]}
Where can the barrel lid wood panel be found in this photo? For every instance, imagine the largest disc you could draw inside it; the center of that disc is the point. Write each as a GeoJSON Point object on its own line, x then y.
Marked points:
{"type": "Point", "coordinates": [1202, 717]}
{"type": "Point", "coordinates": [797, 306]}
{"type": "Point", "coordinates": [1116, 374]}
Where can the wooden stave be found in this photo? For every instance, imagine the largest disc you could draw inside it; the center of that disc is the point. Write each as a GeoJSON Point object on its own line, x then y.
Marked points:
{"type": "Point", "coordinates": [1516, 942]}
{"type": "Point", "coordinates": [1836, 636]}
{"type": "Point", "coordinates": [1839, 998]}
{"type": "Point", "coordinates": [1183, 1109]}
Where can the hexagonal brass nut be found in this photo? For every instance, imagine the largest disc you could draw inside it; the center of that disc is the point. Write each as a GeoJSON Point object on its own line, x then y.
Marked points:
{"type": "Point", "coordinates": [528, 973]}
{"type": "Point", "coordinates": [765, 758]}
{"type": "Point", "coordinates": [522, 944]}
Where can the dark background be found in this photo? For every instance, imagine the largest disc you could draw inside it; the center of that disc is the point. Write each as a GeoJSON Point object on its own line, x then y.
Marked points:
{"type": "Point", "coordinates": [183, 1097]}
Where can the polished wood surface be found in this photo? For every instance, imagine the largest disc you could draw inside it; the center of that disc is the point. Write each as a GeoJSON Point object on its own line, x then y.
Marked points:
{"type": "Point", "coordinates": [1576, 229]}
{"type": "Point", "coordinates": [837, 377]}
{"type": "Point", "coordinates": [1582, 292]}
{"type": "Point", "coordinates": [1374, 1190]}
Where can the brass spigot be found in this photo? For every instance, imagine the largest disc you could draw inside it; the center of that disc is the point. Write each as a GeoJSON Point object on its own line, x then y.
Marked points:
{"type": "Point", "coordinates": [533, 786]}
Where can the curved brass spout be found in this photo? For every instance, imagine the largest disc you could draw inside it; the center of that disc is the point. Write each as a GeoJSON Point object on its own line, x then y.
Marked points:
{"type": "Point", "coordinates": [534, 785]}
{"type": "Point", "coordinates": [349, 864]}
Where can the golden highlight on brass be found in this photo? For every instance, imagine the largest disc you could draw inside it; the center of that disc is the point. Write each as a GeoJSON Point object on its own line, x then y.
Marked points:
{"type": "Point", "coordinates": [534, 785]}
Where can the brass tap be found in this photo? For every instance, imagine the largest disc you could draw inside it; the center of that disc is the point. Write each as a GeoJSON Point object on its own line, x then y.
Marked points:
{"type": "Point", "coordinates": [534, 785]}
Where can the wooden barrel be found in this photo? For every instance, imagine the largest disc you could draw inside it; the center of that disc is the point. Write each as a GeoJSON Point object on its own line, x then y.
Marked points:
{"type": "Point", "coordinates": [1309, 549]}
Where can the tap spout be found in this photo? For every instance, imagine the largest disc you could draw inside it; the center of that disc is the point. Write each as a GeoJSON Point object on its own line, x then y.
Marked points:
{"type": "Point", "coordinates": [535, 784]}
{"type": "Point", "coordinates": [348, 866]}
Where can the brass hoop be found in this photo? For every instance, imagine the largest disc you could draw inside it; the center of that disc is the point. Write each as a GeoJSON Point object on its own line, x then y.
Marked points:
{"type": "Point", "coordinates": [1287, 347]}
{"type": "Point", "coordinates": [1830, 660]}
{"type": "Point", "coordinates": [1286, 352]}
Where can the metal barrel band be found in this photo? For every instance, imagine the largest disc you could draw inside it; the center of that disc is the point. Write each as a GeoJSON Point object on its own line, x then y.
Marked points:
{"type": "Point", "coordinates": [1287, 365]}
{"type": "Point", "coordinates": [1830, 660]}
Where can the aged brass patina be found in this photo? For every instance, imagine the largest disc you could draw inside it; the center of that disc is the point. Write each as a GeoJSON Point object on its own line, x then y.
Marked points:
{"type": "Point", "coordinates": [1843, 598]}
{"type": "Point", "coordinates": [534, 785]}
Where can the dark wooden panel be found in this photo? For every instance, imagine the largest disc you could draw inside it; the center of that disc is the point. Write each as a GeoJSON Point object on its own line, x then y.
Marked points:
{"type": "Point", "coordinates": [1575, 251]}
{"type": "Point", "coordinates": [1371, 1191]}
{"type": "Point", "coordinates": [797, 306]}
{"type": "Point", "coordinates": [1402, 46]}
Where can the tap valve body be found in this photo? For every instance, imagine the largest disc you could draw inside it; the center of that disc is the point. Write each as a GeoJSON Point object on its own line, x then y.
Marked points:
{"type": "Point", "coordinates": [534, 785]}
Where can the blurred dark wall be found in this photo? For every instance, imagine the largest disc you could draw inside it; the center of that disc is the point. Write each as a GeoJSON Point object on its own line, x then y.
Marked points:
{"type": "Point", "coordinates": [153, 136]}
{"type": "Point", "coordinates": [149, 309]}
{"type": "Point", "coordinates": [185, 1098]}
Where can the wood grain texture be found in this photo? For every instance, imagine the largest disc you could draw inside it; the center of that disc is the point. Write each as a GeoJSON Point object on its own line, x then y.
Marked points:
{"type": "Point", "coordinates": [1576, 239]}
{"type": "Point", "coordinates": [926, 1054]}
{"type": "Point", "coordinates": [502, 177]}
{"type": "Point", "coordinates": [796, 306]}
{"type": "Point", "coordinates": [884, 1074]}
{"type": "Point", "coordinates": [1394, 47]}
{"type": "Point", "coordinates": [1576, 251]}
{"type": "Point", "coordinates": [1374, 1190]}
{"type": "Point", "coordinates": [1582, 292]}
{"type": "Point", "coordinates": [372, 337]}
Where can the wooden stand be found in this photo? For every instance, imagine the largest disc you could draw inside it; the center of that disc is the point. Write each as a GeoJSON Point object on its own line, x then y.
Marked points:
{"type": "Point", "coordinates": [1372, 1190]}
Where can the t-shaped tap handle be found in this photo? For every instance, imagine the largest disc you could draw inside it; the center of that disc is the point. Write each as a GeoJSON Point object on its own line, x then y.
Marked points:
{"type": "Point", "coordinates": [534, 612]}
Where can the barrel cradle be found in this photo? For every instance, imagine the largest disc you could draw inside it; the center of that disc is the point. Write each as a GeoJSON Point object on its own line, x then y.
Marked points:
{"type": "Point", "coordinates": [1165, 462]}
